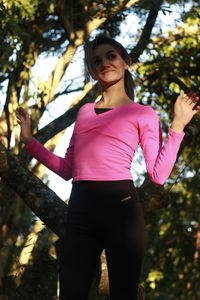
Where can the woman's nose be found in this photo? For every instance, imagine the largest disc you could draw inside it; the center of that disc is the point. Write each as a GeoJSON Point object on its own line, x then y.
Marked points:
{"type": "Point", "coordinates": [104, 63]}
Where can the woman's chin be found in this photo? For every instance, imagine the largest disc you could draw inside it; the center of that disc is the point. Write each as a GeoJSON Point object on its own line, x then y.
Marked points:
{"type": "Point", "coordinates": [107, 83]}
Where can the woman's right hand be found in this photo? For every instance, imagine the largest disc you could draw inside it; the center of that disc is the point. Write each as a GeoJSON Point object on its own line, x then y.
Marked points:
{"type": "Point", "coordinates": [25, 123]}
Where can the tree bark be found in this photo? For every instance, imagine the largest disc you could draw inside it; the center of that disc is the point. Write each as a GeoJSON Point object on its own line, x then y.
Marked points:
{"type": "Point", "coordinates": [41, 199]}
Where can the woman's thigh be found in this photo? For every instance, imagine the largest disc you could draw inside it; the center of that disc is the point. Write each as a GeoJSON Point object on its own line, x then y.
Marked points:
{"type": "Point", "coordinates": [125, 246]}
{"type": "Point", "coordinates": [103, 215]}
{"type": "Point", "coordinates": [80, 254]}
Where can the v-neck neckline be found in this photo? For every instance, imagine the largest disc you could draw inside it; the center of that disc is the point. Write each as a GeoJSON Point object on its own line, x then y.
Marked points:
{"type": "Point", "coordinates": [109, 109]}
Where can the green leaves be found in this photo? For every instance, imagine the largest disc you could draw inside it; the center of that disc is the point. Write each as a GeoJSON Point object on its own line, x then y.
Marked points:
{"type": "Point", "coordinates": [171, 267]}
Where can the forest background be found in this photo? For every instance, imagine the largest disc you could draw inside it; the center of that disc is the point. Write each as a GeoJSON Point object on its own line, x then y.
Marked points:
{"type": "Point", "coordinates": [164, 61]}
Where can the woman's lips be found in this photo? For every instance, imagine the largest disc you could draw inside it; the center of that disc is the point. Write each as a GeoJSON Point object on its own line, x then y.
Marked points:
{"type": "Point", "coordinates": [106, 71]}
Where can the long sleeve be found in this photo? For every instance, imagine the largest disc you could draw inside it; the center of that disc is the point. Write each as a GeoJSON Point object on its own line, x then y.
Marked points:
{"type": "Point", "coordinates": [59, 165]}
{"type": "Point", "coordinates": [160, 159]}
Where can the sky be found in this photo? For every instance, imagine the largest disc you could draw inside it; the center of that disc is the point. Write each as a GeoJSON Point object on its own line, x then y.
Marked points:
{"type": "Point", "coordinates": [75, 71]}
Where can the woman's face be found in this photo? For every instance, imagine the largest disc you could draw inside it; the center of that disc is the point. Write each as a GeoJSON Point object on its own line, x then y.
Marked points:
{"type": "Point", "coordinates": [108, 65]}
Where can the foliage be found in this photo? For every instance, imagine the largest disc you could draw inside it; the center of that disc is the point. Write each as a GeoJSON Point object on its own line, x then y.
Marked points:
{"type": "Point", "coordinates": [30, 29]}
{"type": "Point", "coordinates": [172, 259]}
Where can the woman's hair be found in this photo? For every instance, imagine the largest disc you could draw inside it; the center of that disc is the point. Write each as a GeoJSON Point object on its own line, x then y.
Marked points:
{"type": "Point", "coordinates": [103, 39]}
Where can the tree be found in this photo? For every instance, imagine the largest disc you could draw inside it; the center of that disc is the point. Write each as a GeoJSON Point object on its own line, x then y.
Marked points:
{"type": "Point", "coordinates": [28, 31]}
{"type": "Point", "coordinates": [172, 260]}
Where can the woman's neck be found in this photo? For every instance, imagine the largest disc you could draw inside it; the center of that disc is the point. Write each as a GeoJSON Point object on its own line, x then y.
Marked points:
{"type": "Point", "coordinates": [113, 96]}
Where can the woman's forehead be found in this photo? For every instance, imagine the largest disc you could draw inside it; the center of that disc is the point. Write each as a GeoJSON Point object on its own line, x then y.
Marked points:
{"type": "Point", "coordinates": [103, 49]}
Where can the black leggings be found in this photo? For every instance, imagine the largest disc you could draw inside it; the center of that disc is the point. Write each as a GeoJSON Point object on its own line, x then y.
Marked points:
{"type": "Point", "coordinates": [102, 215]}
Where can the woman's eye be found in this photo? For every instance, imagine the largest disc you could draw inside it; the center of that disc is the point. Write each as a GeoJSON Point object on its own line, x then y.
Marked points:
{"type": "Point", "coordinates": [111, 56]}
{"type": "Point", "coordinates": [97, 62]}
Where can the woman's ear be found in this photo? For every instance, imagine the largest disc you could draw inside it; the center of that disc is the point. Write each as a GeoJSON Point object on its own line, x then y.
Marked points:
{"type": "Point", "coordinates": [127, 62]}
{"type": "Point", "coordinates": [126, 66]}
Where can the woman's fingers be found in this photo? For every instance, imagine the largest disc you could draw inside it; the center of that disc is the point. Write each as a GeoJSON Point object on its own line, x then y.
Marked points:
{"type": "Point", "coordinates": [22, 115]}
{"type": "Point", "coordinates": [20, 119]}
{"type": "Point", "coordinates": [191, 99]}
{"type": "Point", "coordinates": [192, 95]}
{"type": "Point", "coordinates": [194, 101]}
{"type": "Point", "coordinates": [197, 104]}
{"type": "Point", "coordinates": [21, 112]}
{"type": "Point", "coordinates": [187, 98]}
{"type": "Point", "coordinates": [181, 96]}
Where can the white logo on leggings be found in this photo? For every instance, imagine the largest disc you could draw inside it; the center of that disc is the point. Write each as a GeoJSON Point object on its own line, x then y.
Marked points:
{"type": "Point", "coordinates": [126, 198]}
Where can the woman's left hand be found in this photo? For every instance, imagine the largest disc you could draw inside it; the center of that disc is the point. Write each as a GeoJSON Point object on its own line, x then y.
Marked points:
{"type": "Point", "coordinates": [183, 110]}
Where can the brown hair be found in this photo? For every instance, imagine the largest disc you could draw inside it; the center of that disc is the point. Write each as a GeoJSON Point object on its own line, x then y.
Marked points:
{"type": "Point", "coordinates": [103, 39]}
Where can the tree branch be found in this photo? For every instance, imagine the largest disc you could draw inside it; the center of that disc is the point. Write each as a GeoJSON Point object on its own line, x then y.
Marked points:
{"type": "Point", "coordinates": [146, 33]}
{"type": "Point", "coordinates": [41, 200]}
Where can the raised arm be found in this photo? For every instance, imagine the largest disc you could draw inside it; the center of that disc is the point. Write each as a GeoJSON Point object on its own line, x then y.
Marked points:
{"type": "Point", "coordinates": [160, 159]}
{"type": "Point", "coordinates": [59, 165]}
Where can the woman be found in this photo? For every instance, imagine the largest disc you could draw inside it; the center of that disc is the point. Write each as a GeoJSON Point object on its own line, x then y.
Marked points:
{"type": "Point", "coordinates": [104, 211]}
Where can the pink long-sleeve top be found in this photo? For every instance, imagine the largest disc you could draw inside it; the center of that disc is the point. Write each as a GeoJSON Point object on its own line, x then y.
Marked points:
{"type": "Point", "coordinates": [102, 145]}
